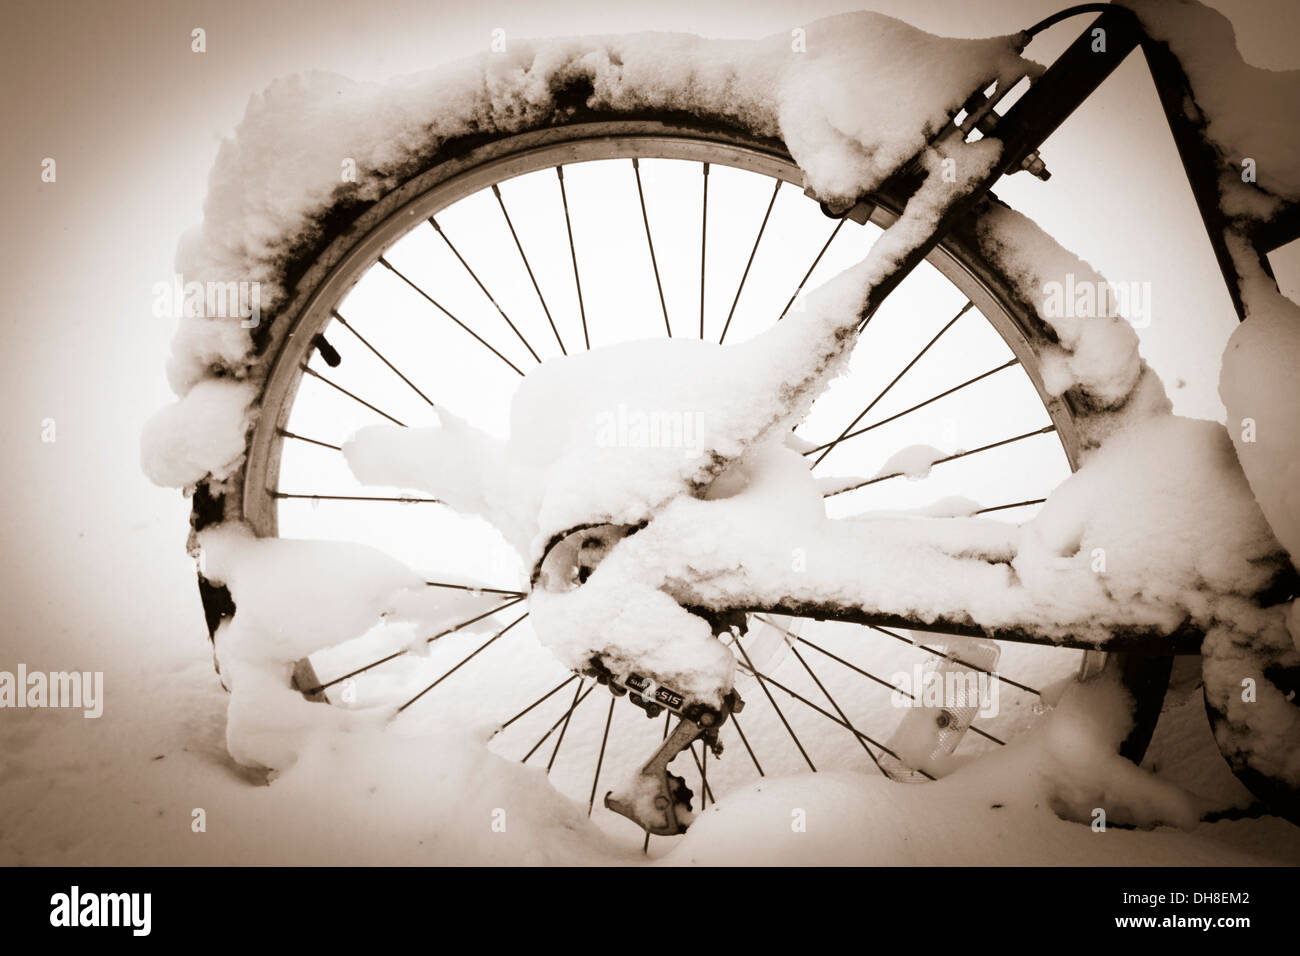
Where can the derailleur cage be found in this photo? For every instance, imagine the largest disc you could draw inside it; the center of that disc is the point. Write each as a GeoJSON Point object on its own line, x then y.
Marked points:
{"type": "Point", "coordinates": [659, 801]}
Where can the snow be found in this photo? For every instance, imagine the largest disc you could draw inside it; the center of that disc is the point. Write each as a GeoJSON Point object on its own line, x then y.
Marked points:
{"type": "Point", "coordinates": [914, 461]}
{"type": "Point", "coordinates": [953, 506]}
{"type": "Point", "coordinates": [1166, 507]}
{"type": "Point", "coordinates": [199, 435]}
{"type": "Point", "coordinates": [1111, 546]}
{"type": "Point", "coordinates": [294, 598]}
{"type": "Point", "coordinates": [281, 169]}
{"type": "Point", "coordinates": [635, 628]}
{"type": "Point", "coordinates": [1258, 730]}
{"type": "Point", "coordinates": [1012, 807]}
{"type": "Point", "coordinates": [950, 506]}
{"type": "Point", "coordinates": [1260, 386]}
{"type": "Point", "coordinates": [846, 144]}
{"type": "Point", "coordinates": [1096, 351]}
{"type": "Point", "coordinates": [68, 799]}
{"type": "Point", "coordinates": [468, 468]}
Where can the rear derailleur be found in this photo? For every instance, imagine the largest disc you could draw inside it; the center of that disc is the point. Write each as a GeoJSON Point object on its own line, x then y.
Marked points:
{"type": "Point", "coordinates": [656, 800]}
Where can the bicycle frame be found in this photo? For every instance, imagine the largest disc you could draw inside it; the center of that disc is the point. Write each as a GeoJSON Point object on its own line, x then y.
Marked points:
{"type": "Point", "coordinates": [1061, 90]}
{"type": "Point", "coordinates": [1048, 102]}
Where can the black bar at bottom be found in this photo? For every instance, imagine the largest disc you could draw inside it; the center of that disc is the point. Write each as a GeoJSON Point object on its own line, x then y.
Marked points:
{"type": "Point", "coordinates": [310, 906]}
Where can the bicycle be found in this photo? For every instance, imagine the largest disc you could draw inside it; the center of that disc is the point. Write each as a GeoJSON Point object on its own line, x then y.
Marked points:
{"type": "Point", "coordinates": [753, 621]}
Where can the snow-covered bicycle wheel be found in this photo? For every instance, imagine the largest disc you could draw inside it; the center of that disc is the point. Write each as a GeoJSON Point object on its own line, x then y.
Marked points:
{"type": "Point", "coordinates": [509, 249]}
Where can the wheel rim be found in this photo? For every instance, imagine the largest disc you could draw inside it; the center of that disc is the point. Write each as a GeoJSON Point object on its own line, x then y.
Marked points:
{"type": "Point", "coordinates": [531, 154]}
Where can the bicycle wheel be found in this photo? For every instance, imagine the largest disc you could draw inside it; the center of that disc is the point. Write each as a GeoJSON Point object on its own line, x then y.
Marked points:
{"type": "Point", "coordinates": [403, 305]}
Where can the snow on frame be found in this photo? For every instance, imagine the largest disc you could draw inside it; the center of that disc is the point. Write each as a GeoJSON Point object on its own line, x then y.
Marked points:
{"type": "Point", "coordinates": [1249, 112]}
{"type": "Point", "coordinates": [1259, 383]}
{"type": "Point", "coordinates": [1111, 547]}
{"type": "Point", "coordinates": [1096, 351]}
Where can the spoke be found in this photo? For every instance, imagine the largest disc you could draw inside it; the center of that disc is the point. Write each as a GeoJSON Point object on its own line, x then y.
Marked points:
{"type": "Point", "coordinates": [310, 441]}
{"type": "Point", "coordinates": [752, 252]}
{"type": "Point", "coordinates": [838, 709]}
{"type": "Point", "coordinates": [1046, 430]}
{"type": "Point", "coordinates": [804, 281]}
{"type": "Point", "coordinates": [706, 795]}
{"type": "Point", "coordinates": [463, 662]}
{"type": "Point", "coordinates": [1014, 504]}
{"type": "Point", "coordinates": [918, 405]}
{"type": "Point", "coordinates": [934, 650]}
{"type": "Point", "coordinates": [396, 654]}
{"type": "Point", "coordinates": [654, 263]}
{"type": "Point", "coordinates": [550, 693]}
{"type": "Point", "coordinates": [905, 640]}
{"type": "Point", "coordinates": [518, 245]}
{"type": "Point", "coordinates": [431, 300]}
{"type": "Point", "coordinates": [831, 717]}
{"type": "Point", "coordinates": [879, 680]}
{"type": "Point", "coordinates": [565, 728]}
{"type": "Point", "coordinates": [379, 355]}
{"type": "Point", "coordinates": [561, 719]}
{"type": "Point", "coordinates": [745, 740]}
{"type": "Point", "coordinates": [404, 501]}
{"type": "Point", "coordinates": [885, 391]}
{"type": "Point", "coordinates": [334, 385]}
{"type": "Point", "coordinates": [573, 253]}
{"type": "Point", "coordinates": [704, 234]}
{"type": "Point", "coordinates": [475, 589]}
{"type": "Point", "coordinates": [987, 736]}
{"type": "Point", "coordinates": [473, 275]}
{"type": "Point", "coordinates": [591, 803]}
{"type": "Point", "coordinates": [704, 778]}
{"type": "Point", "coordinates": [772, 700]}
{"type": "Point", "coordinates": [803, 640]}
